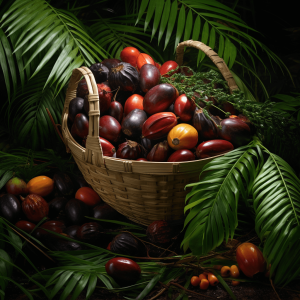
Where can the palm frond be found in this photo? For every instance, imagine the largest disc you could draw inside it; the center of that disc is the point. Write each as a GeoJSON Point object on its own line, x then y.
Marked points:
{"type": "Point", "coordinates": [276, 201]}
{"type": "Point", "coordinates": [213, 201]}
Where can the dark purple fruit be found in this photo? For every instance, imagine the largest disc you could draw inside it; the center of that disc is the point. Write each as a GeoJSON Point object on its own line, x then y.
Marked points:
{"type": "Point", "coordinates": [75, 107]}
{"type": "Point", "coordinates": [56, 243]}
{"type": "Point", "coordinates": [109, 128]}
{"type": "Point", "coordinates": [159, 152]}
{"type": "Point", "coordinates": [132, 124]}
{"type": "Point", "coordinates": [235, 131]}
{"type": "Point", "coordinates": [82, 88]}
{"type": "Point", "coordinates": [160, 232]}
{"type": "Point", "coordinates": [146, 143]}
{"type": "Point", "coordinates": [149, 77]}
{"type": "Point", "coordinates": [123, 270]}
{"type": "Point", "coordinates": [100, 72]}
{"type": "Point", "coordinates": [125, 244]}
{"type": "Point", "coordinates": [79, 182]}
{"type": "Point", "coordinates": [130, 150]}
{"type": "Point", "coordinates": [71, 231]}
{"type": "Point", "coordinates": [81, 126]}
{"type": "Point", "coordinates": [116, 110]}
{"type": "Point", "coordinates": [105, 212]}
{"type": "Point", "coordinates": [110, 62]}
{"type": "Point", "coordinates": [64, 184]}
{"type": "Point", "coordinates": [89, 232]}
{"type": "Point", "coordinates": [76, 211]}
{"type": "Point", "coordinates": [56, 206]}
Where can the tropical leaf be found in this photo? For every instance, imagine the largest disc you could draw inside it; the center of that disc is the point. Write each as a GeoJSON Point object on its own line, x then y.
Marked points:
{"type": "Point", "coordinates": [213, 201]}
{"type": "Point", "coordinates": [276, 201]}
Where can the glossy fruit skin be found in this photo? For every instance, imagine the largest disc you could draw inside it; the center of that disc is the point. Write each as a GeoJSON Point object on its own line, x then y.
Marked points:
{"type": "Point", "coordinates": [105, 96]}
{"type": "Point", "coordinates": [125, 244]}
{"type": "Point", "coordinates": [183, 136]}
{"type": "Point", "coordinates": [10, 208]}
{"type": "Point", "coordinates": [40, 185]}
{"type": "Point", "coordinates": [167, 67]}
{"type": "Point", "coordinates": [74, 134]}
{"type": "Point", "coordinates": [160, 232]}
{"type": "Point", "coordinates": [206, 127]}
{"type": "Point", "coordinates": [143, 59]}
{"type": "Point", "coordinates": [149, 77]}
{"type": "Point", "coordinates": [35, 207]}
{"type": "Point", "coordinates": [88, 196]}
{"type": "Point", "coordinates": [202, 276]}
{"type": "Point", "coordinates": [159, 98]}
{"type": "Point", "coordinates": [133, 102]}
{"type": "Point", "coordinates": [213, 280]}
{"type": "Point", "coordinates": [56, 205]}
{"type": "Point", "coordinates": [250, 259]}
{"type": "Point", "coordinates": [157, 65]}
{"type": "Point", "coordinates": [195, 281]}
{"type": "Point", "coordinates": [234, 271]}
{"type": "Point", "coordinates": [63, 184]}
{"type": "Point", "coordinates": [89, 232]}
{"type": "Point", "coordinates": [105, 212]}
{"type": "Point", "coordinates": [25, 226]}
{"type": "Point", "coordinates": [225, 271]}
{"type": "Point", "coordinates": [76, 211]}
{"type": "Point", "coordinates": [184, 108]}
{"type": "Point", "coordinates": [142, 159]}
{"type": "Point", "coordinates": [158, 125]}
{"type": "Point", "coordinates": [16, 186]}
{"type": "Point", "coordinates": [125, 76]}
{"type": "Point", "coordinates": [107, 148]}
{"type": "Point", "coordinates": [130, 55]}
{"type": "Point", "coordinates": [116, 111]}
{"type": "Point", "coordinates": [123, 270]}
{"type": "Point", "coordinates": [55, 226]}
{"type": "Point", "coordinates": [146, 143]}
{"type": "Point", "coordinates": [212, 148]}
{"type": "Point", "coordinates": [100, 72]}
{"type": "Point", "coordinates": [81, 125]}
{"type": "Point", "coordinates": [110, 62]}
{"type": "Point", "coordinates": [204, 284]}
{"type": "Point", "coordinates": [109, 128]}
{"type": "Point", "coordinates": [82, 88]}
{"type": "Point", "coordinates": [75, 107]}
{"type": "Point", "coordinates": [130, 150]}
{"type": "Point", "coordinates": [235, 131]}
{"type": "Point", "coordinates": [132, 124]}
{"type": "Point", "coordinates": [182, 155]}
{"type": "Point", "coordinates": [56, 243]}
{"type": "Point", "coordinates": [159, 152]}
{"type": "Point", "coordinates": [71, 231]}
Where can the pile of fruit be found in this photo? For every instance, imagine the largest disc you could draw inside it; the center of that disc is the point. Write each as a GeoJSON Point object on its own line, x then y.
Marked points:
{"type": "Point", "coordinates": [153, 112]}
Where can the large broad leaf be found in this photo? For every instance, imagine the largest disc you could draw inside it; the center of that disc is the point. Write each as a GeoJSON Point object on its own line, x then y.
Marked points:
{"type": "Point", "coordinates": [276, 201]}
{"type": "Point", "coordinates": [212, 202]}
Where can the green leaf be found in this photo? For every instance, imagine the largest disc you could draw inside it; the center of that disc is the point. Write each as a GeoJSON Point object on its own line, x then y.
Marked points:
{"type": "Point", "coordinates": [227, 51]}
{"type": "Point", "coordinates": [188, 26]}
{"type": "Point", "coordinates": [142, 9]}
{"type": "Point", "coordinates": [164, 19]}
{"type": "Point", "coordinates": [171, 22]}
{"type": "Point", "coordinates": [221, 46]}
{"type": "Point", "coordinates": [7, 176]}
{"type": "Point", "coordinates": [204, 39]}
{"type": "Point", "coordinates": [91, 286]}
{"type": "Point", "coordinates": [80, 286]}
{"type": "Point", "coordinates": [180, 26]}
{"type": "Point", "coordinates": [197, 27]}
{"type": "Point", "coordinates": [233, 52]}
{"type": "Point", "coordinates": [158, 13]}
{"type": "Point", "coordinates": [150, 12]}
{"type": "Point", "coordinates": [212, 38]}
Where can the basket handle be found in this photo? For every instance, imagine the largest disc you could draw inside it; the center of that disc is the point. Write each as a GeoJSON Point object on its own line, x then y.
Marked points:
{"type": "Point", "coordinates": [218, 61]}
{"type": "Point", "coordinates": [93, 153]}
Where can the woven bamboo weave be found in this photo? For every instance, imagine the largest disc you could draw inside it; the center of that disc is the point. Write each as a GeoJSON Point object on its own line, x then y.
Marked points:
{"type": "Point", "coordinates": [142, 191]}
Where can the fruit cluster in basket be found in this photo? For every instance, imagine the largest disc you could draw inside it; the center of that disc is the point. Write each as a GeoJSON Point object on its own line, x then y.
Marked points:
{"type": "Point", "coordinates": [144, 117]}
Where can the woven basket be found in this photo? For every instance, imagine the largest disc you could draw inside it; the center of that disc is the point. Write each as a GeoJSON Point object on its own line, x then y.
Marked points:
{"type": "Point", "coordinates": [142, 191]}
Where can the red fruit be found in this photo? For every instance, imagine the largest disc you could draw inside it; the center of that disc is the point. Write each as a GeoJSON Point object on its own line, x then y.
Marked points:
{"type": "Point", "coordinates": [159, 152]}
{"type": "Point", "coordinates": [107, 148]}
{"type": "Point", "coordinates": [88, 196]}
{"type": "Point", "coordinates": [81, 125]}
{"type": "Point", "coordinates": [133, 102]}
{"type": "Point", "coordinates": [55, 223]}
{"type": "Point", "coordinates": [108, 247]}
{"type": "Point", "coordinates": [158, 125]}
{"type": "Point", "coordinates": [181, 155]}
{"type": "Point", "coordinates": [213, 148]}
{"type": "Point", "coordinates": [16, 186]}
{"type": "Point", "coordinates": [228, 107]}
{"type": "Point", "coordinates": [157, 65]}
{"type": "Point", "coordinates": [250, 259]}
{"type": "Point", "coordinates": [169, 66]}
{"type": "Point", "coordinates": [35, 207]}
{"type": "Point", "coordinates": [130, 150]}
{"type": "Point", "coordinates": [159, 98]}
{"type": "Point", "coordinates": [116, 110]}
{"type": "Point", "coordinates": [82, 88]}
{"type": "Point", "coordinates": [143, 59]}
{"type": "Point", "coordinates": [109, 128]}
{"type": "Point", "coordinates": [130, 55]}
{"type": "Point", "coordinates": [149, 77]}
{"type": "Point", "coordinates": [184, 108]}
{"type": "Point", "coordinates": [160, 232]}
{"type": "Point", "coordinates": [235, 131]}
{"type": "Point", "coordinates": [123, 270]}
{"type": "Point", "coordinates": [186, 71]}
{"type": "Point", "coordinates": [142, 159]}
{"type": "Point", "coordinates": [25, 226]}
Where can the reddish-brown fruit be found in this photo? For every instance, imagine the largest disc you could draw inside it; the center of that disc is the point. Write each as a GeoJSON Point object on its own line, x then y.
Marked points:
{"type": "Point", "coordinates": [225, 271]}
{"type": "Point", "coordinates": [133, 102]}
{"type": "Point", "coordinates": [123, 270]}
{"type": "Point", "coordinates": [130, 150]}
{"type": "Point", "coordinates": [143, 59]}
{"type": "Point", "coordinates": [250, 259]}
{"type": "Point", "coordinates": [195, 281]}
{"type": "Point", "coordinates": [228, 107]}
{"type": "Point", "coordinates": [204, 284]}
{"type": "Point", "coordinates": [110, 62]}
{"type": "Point", "coordinates": [108, 247]}
{"type": "Point", "coordinates": [218, 267]}
{"type": "Point", "coordinates": [158, 125]}
{"type": "Point", "coordinates": [235, 283]}
{"type": "Point", "coordinates": [89, 232]}
{"type": "Point", "coordinates": [213, 148]}
{"type": "Point", "coordinates": [88, 196]}
{"type": "Point", "coordinates": [109, 128]}
{"type": "Point", "coordinates": [116, 111]}
{"type": "Point", "coordinates": [107, 148]}
{"type": "Point", "coordinates": [40, 185]}
{"type": "Point", "coordinates": [149, 77]}
{"type": "Point", "coordinates": [234, 271]}
{"type": "Point", "coordinates": [181, 155]}
{"type": "Point", "coordinates": [202, 276]}
{"type": "Point", "coordinates": [159, 152]}
{"type": "Point", "coordinates": [81, 125]}
{"type": "Point", "coordinates": [130, 55]}
{"type": "Point", "coordinates": [159, 98]}
{"type": "Point", "coordinates": [35, 207]}
{"type": "Point", "coordinates": [16, 186]}
{"type": "Point", "coordinates": [25, 226]}
{"type": "Point", "coordinates": [157, 65]}
{"type": "Point", "coordinates": [184, 108]}
{"type": "Point", "coordinates": [55, 226]}
{"type": "Point", "coordinates": [167, 67]}
{"type": "Point", "coordinates": [160, 232]}
{"type": "Point", "coordinates": [82, 88]}
{"type": "Point", "coordinates": [213, 280]}
{"type": "Point", "coordinates": [142, 159]}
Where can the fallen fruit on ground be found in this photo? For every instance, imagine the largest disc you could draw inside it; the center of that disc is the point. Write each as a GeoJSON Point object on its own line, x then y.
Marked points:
{"type": "Point", "coordinates": [40, 185]}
